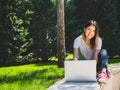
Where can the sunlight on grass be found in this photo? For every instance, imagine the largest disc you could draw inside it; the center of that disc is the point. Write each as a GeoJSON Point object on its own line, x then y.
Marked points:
{"type": "Point", "coordinates": [29, 77]}
{"type": "Point", "coordinates": [34, 76]}
{"type": "Point", "coordinates": [69, 56]}
{"type": "Point", "coordinates": [53, 58]}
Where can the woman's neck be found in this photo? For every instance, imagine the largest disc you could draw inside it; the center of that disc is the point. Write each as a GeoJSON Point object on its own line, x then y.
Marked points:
{"type": "Point", "coordinates": [87, 41]}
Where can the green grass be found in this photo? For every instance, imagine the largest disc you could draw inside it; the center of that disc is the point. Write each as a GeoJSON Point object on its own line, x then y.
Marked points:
{"type": "Point", "coordinates": [69, 56]}
{"type": "Point", "coordinates": [29, 77]}
{"type": "Point", "coordinates": [114, 61]}
{"type": "Point", "coordinates": [34, 76]}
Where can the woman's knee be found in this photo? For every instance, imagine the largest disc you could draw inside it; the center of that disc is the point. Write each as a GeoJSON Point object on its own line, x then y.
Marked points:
{"type": "Point", "coordinates": [103, 54]}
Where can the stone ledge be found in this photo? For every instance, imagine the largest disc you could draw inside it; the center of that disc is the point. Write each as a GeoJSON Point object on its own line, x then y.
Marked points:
{"type": "Point", "coordinates": [115, 69]}
{"type": "Point", "coordinates": [63, 85]}
{"type": "Point", "coordinates": [113, 83]}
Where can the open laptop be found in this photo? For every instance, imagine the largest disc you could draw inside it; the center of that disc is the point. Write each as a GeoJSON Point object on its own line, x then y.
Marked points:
{"type": "Point", "coordinates": [80, 70]}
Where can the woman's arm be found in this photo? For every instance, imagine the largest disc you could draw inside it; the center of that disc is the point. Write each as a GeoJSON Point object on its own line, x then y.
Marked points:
{"type": "Point", "coordinates": [75, 54]}
{"type": "Point", "coordinates": [95, 55]}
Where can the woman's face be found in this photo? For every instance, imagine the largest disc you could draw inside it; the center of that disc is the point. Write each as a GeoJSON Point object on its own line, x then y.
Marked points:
{"type": "Point", "coordinates": [90, 32]}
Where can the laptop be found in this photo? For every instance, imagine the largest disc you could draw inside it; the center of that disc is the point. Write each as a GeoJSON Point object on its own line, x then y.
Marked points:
{"type": "Point", "coordinates": [80, 70]}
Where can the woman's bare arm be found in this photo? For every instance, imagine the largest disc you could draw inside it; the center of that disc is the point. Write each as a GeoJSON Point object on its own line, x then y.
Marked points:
{"type": "Point", "coordinates": [95, 55]}
{"type": "Point", "coordinates": [75, 54]}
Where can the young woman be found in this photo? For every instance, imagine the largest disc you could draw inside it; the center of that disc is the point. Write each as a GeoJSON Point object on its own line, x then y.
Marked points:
{"type": "Point", "coordinates": [88, 45]}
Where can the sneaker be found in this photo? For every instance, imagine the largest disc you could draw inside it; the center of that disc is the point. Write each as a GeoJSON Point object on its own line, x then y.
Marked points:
{"type": "Point", "coordinates": [103, 77]}
{"type": "Point", "coordinates": [109, 73]}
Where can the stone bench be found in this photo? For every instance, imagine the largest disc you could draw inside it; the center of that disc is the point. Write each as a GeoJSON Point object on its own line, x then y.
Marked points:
{"type": "Point", "coordinates": [113, 83]}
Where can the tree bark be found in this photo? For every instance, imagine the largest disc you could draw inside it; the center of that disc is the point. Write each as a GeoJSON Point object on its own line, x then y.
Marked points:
{"type": "Point", "coordinates": [60, 33]}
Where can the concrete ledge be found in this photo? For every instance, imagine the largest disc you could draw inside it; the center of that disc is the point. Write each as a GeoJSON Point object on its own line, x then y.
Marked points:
{"type": "Point", "coordinates": [113, 83]}
{"type": "Point", "coordinates": [63, 85]}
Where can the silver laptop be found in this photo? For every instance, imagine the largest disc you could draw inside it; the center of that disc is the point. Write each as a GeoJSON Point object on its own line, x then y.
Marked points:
{"type": "Point", "coordinates": [81, 70]}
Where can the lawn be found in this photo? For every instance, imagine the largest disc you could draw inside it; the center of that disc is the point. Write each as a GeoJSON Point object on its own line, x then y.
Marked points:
{"type": "Point", "coordinates": [33, 76]}
{"type": "Point", "coordinates": [29, 77]}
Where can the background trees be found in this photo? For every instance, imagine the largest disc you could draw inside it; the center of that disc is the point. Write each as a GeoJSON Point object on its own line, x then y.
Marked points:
{"type": "Point", "coordinates": [14, 31]}
{"type": "Point", "coordinates": [103, 11]}
{"type": "Point", "coordinates": [43, 29]}
{"type": "Point", "coordinates": [3, 34]}
{"type": "Point", "coordinates": [28, 30]}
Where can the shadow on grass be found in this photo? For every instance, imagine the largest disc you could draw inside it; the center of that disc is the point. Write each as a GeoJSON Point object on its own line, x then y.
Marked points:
{"type": "Point", "coordinates": [114, 61]}
{"type": "Point", "coordinates": [42, 76]}
{"type": "Point", "coordinates": [22, 76]}
{"type": "Point", "coordinates": [46, 63]}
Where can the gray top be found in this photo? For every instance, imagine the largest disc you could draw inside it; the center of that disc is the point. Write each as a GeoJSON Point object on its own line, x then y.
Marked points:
{"type": "Point", "coordinates": [84, 50]}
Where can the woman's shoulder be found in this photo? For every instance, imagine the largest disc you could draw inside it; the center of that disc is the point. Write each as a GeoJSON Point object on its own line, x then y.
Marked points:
{"type": "Point", "coordinates": [77, 41]}
{"type": "Point", "coordinates": [99, 39]}
{"type": "Point", "coordinates": [78, 38]}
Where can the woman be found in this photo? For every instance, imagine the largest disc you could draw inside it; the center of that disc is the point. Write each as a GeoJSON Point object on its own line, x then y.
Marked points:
{"type": "Point", "coordinates": [88, 45]}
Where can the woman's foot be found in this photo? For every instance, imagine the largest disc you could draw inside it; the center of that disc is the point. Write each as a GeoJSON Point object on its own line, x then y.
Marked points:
{"type": "Point", "coordinates": [103, 77]}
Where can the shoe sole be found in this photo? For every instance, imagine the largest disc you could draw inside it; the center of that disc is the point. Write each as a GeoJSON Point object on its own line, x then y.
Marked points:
{"type": "Point", "coordinates": [103, 81]}
{"type": "Point", "coordinates": [101, 86]}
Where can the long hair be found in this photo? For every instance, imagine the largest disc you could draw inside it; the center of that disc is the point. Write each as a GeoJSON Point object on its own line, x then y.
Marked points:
{"type": "Point", "coordinates": [94, 40]}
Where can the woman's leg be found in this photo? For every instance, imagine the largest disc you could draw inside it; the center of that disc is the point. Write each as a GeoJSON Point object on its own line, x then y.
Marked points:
{"type": "Point", "coordinates": [102, 66]}
{"type": "Point", "coordinates": [102, 60]}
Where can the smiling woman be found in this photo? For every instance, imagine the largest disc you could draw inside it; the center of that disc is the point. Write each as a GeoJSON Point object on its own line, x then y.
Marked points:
{"type": "Point", "coordinates": [88, 42]}
{"type": "Point", "coordinates": [88, 47]}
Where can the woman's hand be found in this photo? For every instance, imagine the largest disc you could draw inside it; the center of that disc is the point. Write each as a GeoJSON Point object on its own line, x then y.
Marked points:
{"type": "Point", "coordinates": [75, 58]}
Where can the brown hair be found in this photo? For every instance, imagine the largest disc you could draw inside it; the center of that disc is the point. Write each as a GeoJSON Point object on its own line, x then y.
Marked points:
{"type": "Point", "coordinates": [94, 40]}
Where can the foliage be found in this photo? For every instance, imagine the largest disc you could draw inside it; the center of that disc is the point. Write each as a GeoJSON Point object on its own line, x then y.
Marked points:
{"type": "Point", "coordinates": [18, 20]}
{"type": "Point", "coordinates": [25, 23]}
{"type": "Point", "coordinates": [43, 29]}
{"type": "Point", "coordinates": [28, 27]}
{"type": "Point", "coordinates": [3, 34]}
{"type": "Point", "coordinates": [103, 11]}
{"type": "Point", "coordinates": [72, 29]}
{"type": "Point", "coordinates": [109, 26]}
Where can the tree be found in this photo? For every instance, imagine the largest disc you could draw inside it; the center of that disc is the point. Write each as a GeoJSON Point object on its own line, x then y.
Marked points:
{"type": "Point", "coordinates": [14, 27]}
{"type": "Point", "coordinates": [105, 12]}
{"type": "Point", "coordinates": [107, 18]}
{"type": "Point", "coordinates": [43, 29]}
{"type": "Point", "coordinates": [60, 33]}
{"type": "Point", "coordinates": [118, 12]}
{"type": "Point", "coordinates": [3, 34]}
{"type": "Point", "coordinates": [118, 18]}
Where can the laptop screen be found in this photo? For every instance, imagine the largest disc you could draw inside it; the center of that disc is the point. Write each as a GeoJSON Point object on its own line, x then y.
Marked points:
{"type": "Point", "coordinates": [80, 70]}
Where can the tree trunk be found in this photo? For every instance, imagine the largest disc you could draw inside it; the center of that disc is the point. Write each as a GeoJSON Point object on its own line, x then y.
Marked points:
{"type": "Point", "coordinates": [60, 33]}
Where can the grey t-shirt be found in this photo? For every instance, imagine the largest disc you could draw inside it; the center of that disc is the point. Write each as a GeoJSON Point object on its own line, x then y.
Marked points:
{"type": "Point", "coordinates": [84, 50]}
